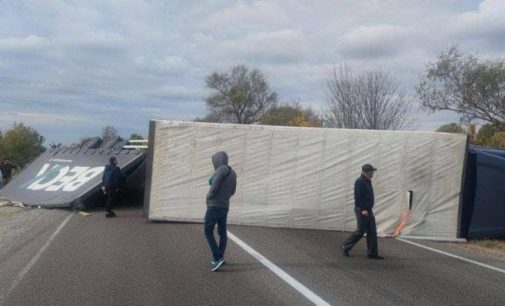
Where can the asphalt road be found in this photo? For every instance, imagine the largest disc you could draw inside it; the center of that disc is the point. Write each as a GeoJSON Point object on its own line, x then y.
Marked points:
{"type": "Point", "coordinates": [128, 261]}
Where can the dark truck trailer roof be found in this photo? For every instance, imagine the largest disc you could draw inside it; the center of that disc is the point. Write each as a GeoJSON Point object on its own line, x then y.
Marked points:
{"type": "Point", "coordinates": [63, 176]}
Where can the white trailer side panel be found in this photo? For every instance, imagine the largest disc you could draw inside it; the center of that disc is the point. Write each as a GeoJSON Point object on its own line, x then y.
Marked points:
{"type": "Point", "coordinates": [304, 177]}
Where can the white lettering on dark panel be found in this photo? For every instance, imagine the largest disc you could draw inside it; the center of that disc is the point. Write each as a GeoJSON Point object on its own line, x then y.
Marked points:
{"type": "Point", "coordinates": [63, 178]}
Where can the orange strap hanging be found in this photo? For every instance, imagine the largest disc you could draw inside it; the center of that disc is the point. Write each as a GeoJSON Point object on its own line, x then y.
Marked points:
{"type": "Point", "coordinates": [403, 222]}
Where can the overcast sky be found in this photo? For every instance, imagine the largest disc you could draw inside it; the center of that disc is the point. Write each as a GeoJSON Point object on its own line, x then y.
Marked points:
{"type": "Point", "coordinates": [68, 68]}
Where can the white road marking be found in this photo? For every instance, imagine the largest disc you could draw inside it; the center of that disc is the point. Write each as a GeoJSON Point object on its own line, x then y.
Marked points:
{"type": "Point", "coordinates": [453, 256]}
{"type": "Point", "coordinates": [32, 262]}
{"type": "Point", "coordinates": [309, 294]}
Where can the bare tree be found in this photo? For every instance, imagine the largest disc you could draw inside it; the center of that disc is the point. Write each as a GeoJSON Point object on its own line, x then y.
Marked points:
{"type": "Point", "coordinates": [109, 132]}
{"type": "Point", "coordinates": [241, 96]}
{"type": "Point", "coordinates": [464, 84]}
{"type": "Point", "coordinates": [367, 100]}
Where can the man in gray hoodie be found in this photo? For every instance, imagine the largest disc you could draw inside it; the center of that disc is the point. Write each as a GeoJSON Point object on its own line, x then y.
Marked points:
{"type": "Point", "coordinates": [223, 184]}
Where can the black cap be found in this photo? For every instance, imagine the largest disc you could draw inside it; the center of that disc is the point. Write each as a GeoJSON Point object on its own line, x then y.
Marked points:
{"type": "Point", "coordinates": [368, 168]}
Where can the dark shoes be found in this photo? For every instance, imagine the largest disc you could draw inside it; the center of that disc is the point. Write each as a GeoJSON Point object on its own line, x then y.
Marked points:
{"type": "Point", "coordinates": [110, 214]}
{"type": "Point", "coordinates": [375, 257]}
{"type": "Point", "coordinates": [345, 252]}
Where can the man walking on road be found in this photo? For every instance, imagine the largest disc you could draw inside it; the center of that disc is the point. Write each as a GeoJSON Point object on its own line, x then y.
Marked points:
{"type": "Point", "coordinates": [112, 180]}
{"type": "Point", "coordinates": [364, 201]}
{"type": "Point", "coordinates": [223, 184]}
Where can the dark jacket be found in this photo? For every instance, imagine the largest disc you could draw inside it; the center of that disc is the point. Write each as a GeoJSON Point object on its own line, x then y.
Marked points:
{"type": "Point", "coordinates": [223, 182]}
{"type": "Point", "coordinates": [363, 193]}
{"type": "Point", "coordinates": [7, 169]}
{"type": "Point", "coordinates": [112, 177]}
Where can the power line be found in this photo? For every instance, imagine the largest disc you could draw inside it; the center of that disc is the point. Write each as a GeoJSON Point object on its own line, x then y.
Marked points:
{"type": "Point", "coordinates": [47, 106]}
{"type": "Point", "coordinates": [51, 106]}
{"type": "Point", "coordinates": [67, 88]}
{"type": "Point", "coordinates": [77, 90]}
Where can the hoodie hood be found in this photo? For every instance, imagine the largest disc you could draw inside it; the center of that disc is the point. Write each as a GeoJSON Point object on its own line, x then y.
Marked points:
{"type": "Point", "coordinates": [220, 159]}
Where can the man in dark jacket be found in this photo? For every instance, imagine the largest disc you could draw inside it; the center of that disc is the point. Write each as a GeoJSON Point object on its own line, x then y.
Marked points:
{"type": "Point", "coordinates": [223, 184]}
{"type": "Point", "coordinates": [112, 180]}
{"type": "Point", "coordinates": [364, 201]}
{"type": "Point", "coordinates": [6, 168]}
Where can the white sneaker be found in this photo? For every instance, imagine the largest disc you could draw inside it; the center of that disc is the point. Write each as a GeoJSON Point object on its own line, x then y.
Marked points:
{"type": "Point", "coordinates": [217, 265]}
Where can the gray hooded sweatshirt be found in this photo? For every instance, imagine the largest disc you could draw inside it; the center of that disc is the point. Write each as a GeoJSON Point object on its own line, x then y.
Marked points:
{"type": "Point", "coordinates": [224, 182]}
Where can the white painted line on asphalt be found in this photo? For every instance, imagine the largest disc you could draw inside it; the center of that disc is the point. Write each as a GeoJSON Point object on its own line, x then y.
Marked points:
{"type": "Point", "coordinates": [309, 294]}
{"type": "Point", "coordinates": [454, 256]}
{"type": "Point", "coordinates": [32, 262]}
{"type": "Point", "coordinates": [433, 238]}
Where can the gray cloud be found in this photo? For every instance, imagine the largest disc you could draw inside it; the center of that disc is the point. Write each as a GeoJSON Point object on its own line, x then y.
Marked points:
{"type": "Point", "coordinates": [376, 41]}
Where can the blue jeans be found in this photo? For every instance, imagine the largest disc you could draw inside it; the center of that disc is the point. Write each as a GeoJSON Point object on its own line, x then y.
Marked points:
{"type": "Point", "coordinates": [213, 216]}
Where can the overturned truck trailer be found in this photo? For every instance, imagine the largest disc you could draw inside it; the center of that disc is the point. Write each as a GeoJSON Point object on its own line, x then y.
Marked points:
{"type": "Point", "coordinates": [304, 177]}
{"type": "Point", "coordinates": [67, 177]}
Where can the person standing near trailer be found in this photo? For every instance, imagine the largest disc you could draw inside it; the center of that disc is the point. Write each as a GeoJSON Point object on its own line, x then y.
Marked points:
{"type": "Point", "coordinates": [6, 167]}
{"type": "Point", "coordinates": [112, 180]}
{"type": "Point", "coordinates": [223, 184]}
{"type": "Point", "coordinates": [364, 201]}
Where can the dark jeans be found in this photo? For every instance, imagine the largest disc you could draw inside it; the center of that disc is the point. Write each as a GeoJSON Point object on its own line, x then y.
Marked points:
{"type": "Point", "coordinates": [112, 196]}
{"type": "Point", "coordinates": [365, 225]}
{"type": "Point", "coordinates": [213, 216]}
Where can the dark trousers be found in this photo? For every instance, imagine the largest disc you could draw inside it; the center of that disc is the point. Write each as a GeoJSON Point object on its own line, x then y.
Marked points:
{"type": "Point", "coordinates": [365, 225]}
{"type": "Point", "coordinates": [112, 196]}
{"type": "Point", "coordinates": [213, 216]}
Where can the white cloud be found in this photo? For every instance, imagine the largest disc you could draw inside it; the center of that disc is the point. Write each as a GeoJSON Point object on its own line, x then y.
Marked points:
{"type": "Point", "coordinates": [486, 24]}
{"type": "Point", "coordinates": [19, 45]}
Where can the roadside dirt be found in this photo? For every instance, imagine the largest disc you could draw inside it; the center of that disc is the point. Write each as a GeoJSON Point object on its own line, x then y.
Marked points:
{"type": "Point", "coordinates": [492, 248]}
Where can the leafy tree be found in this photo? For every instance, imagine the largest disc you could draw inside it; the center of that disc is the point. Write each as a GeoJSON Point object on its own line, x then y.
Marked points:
{"type": "Point", "coordinates": [21, 144]}
{"type": "Point", "coordinates": [486, 134]}
{"type": "Point", "coordinates": [291, 115]}
{"type": "Point", "coordinates": [240, 95]}
{"type": "Point", "coordinates": [497, 140]}
{"type": "Point", "coordinates": [451, 128]}
{"type": "Point", "coordinates": [367, 100]}
{"type": "Point", "coordinates": [1, 146]}
{"type": "Point", "coordinates": [472, 133]}
{"type": "Point", "coordinates": [473, 88]}
{"type": "Point", "coordinates": [213, 117]}
{"type": "Point", "coordinates": [136, 136]}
